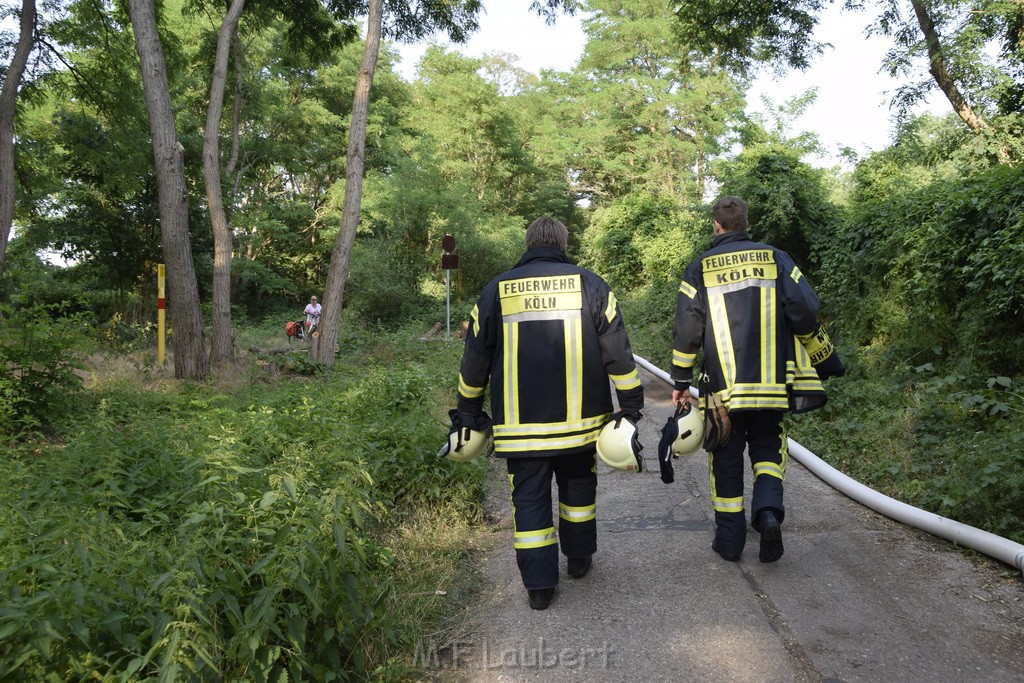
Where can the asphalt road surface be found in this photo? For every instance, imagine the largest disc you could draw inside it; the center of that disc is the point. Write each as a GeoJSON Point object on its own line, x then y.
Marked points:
{"type": "Point", "coordinates": [856, 597]}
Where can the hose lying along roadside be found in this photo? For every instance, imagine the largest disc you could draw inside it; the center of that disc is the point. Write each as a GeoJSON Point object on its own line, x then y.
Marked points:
{"type": "Point", "coordinates": [1002, 549]}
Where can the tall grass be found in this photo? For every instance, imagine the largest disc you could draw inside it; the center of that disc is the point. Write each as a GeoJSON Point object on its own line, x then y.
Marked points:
{"type": "Point", "coordinates": [185, 533]}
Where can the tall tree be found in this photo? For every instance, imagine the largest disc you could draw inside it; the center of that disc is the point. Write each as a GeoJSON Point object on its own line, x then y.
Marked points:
{"type": "Point", "coordinates": [480, 136]}
{"type": "Point", "coordinates": [221, 346]}
{"type": "Point", "coordinates": [740, 35]}
{"type": "Point", "coordinates": [947, 72]}
{"type": "Point", "coordinates": [408, 21]}
{"type": "Point", "coordinates": [324, 345]}
{"type": "Point", "coordinates": [190, 361]}
{"type": "Point", "coordinates": [314, 27]}
{"type": "Point", "coordinates": [638, 114]}
{"type": "Point", "coordinates": [958, 39]}
{"type": "Point", "coordinates": [938, 70]}
{"type": "Point", "coordinates": [7, 104]}
{"type": "Point", "coordinates": [86, 182]}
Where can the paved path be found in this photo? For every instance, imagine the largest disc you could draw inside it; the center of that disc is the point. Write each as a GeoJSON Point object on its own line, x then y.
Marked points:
{"type": "Point", "coordinates": [855, 598]}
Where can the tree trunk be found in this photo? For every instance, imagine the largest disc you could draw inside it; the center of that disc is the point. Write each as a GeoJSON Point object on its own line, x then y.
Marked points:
{"type": "Point", "coordinates": [168, 155]}
{"type": "Point", "coordinates": [236, 111]}
{"type": "Point", "coordinates": [221, 347]}
{"type": "Point", "coordinates": [7, 101]}
{"type": "Point", "coordinates": [324, 345]}
{"type": "Point", "coordinates": [937, 68]}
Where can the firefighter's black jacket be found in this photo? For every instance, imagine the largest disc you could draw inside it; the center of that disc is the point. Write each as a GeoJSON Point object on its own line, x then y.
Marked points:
{"type": "Point", "coordinates": [547, 335]}
{"type": "Point", "coordinates": [755, 315]}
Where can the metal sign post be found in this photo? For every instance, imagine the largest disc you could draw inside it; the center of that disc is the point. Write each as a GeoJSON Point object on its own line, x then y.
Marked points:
{"type": "Point", "coordinates": [449, 261]}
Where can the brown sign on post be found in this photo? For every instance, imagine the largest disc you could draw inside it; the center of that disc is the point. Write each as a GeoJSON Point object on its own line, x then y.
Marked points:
{"type": "Point", "coordinates": [449, 261]}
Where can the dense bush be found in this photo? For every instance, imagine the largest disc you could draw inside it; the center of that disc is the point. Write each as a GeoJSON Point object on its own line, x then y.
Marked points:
{"type": "Point", "coordinates": [640, 240]}
{"type": "Point", "coordinates": [951, 444]}
{"type": "Point", "coordinates": [936, 273]}
{"type": "Point", "coordinates": [485, 254]}
{"type": "Point", "coordinates": [788, 198]}
{"type": "Point", "coordinates": [40, 351]}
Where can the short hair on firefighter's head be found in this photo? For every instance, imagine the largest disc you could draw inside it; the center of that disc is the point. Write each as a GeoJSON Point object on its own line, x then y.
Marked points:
{"type": "Point", "coordinates": [731, 213]}
{"type": "Point", "coordinates": [547, 232]}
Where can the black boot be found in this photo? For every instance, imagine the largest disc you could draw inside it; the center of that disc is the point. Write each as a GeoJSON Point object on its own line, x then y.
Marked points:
{"type": "Point", "coordinates": [727, 556]}
{"type": "Point", "coordinates": [771, 536]}
{"type": "Point", "coordinates": [579, 566]}
{"type": "Point", "coordinates": [540, 598]}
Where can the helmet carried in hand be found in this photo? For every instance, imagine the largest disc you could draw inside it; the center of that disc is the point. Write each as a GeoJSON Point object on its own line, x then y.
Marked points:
{"type": "Point", "coordinates": [690, 431]}
{"type": "Point", "coordinates": [465, 444]}
{"type": "Point", "coordinates": [618, 445]}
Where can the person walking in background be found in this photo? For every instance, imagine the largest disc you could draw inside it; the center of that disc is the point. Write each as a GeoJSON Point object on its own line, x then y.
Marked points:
{"type": "Point", "coordinates": [547, 336]}
{"type": "Point", "coordinates": [312, 311]}
{"type": "Point", "coordinates": [755, 316]}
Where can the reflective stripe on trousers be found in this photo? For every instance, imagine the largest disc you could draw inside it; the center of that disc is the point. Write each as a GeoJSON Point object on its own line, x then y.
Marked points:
{"type": "Point", "coordinates": [535, 540]}
{"type": "Point", "coordinates": [763, 435]}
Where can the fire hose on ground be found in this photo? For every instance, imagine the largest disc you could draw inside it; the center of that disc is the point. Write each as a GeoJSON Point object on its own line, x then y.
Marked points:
{"type": "Point", "coordinates": [1002, 549]}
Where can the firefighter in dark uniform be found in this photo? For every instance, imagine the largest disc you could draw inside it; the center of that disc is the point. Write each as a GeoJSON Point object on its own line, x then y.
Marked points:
{"type": "Point", "coordinates": [548, 336]}
{"type": "Point", "coordinates": [764, 353]}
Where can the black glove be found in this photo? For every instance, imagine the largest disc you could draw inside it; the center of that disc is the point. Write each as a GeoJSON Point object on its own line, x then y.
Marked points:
{"type": "Point", "coordinates": [633, 416]}
{"type": "Point", "coordinates": [830, 367]}
{"type": "Point", "coordinates": [479, 423]}
{"type": "Point", "coordinates": [669, 433]}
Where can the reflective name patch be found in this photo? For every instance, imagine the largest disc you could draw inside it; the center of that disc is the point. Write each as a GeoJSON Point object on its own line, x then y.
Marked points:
{"type": "Point", "coordinates": [737, 266]}
{"type": "Point", "coordinates": [554, 293]}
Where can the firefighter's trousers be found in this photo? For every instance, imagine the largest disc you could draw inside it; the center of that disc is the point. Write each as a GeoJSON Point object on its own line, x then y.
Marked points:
{"type": "Point", "coordinates": [535, 539]}
{"type": "Point", "coordinates": [762, 433]}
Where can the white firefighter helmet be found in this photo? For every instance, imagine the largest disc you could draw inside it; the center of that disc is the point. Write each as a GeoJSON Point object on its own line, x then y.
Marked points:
{"type": "Point", "coordinates": [465, 444]}
{"type": "Point", "coordinates": [618, 445]}
{"type": "Point", "coordinates": [690, 431]}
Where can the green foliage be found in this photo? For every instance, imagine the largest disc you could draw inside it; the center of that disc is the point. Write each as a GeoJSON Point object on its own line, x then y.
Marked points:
{"type": "Point", "coordinates": [649, 313]}
{"type": "Point", "coordinates": [948, 443]}
{"type": "Point", "coordinates": [39, 353]}
{"type": "Point", "coordinates": [27, 280]}
{"type": "Point", "coordinates": [464, 166]}
{"type": "Point", "coordinates": [936, 272]}
{"type": "Point", "coordinates": [383, 286]}
{"type": "Point", "coordinates": [641, 239]}
{"type": "Point", "coordinates": [980, 50]}
{"type": "Point", "coordinates": [789, 206]}
{"type": "Point", "coordinates": [488, 252]}
{"type": "Point", "coordinates": [243, 536]}
{"type": "Point", "coordinates": [86, 184]}
{"type": "Point", "coordinates": [121, 336]}
{"type": "Point", "coordinates": [638, 114]}
{"type": "Point", "coordinates": [744, 35]}
{"type": "Point", "coordinates": [301, 363]}
{"type": "Point", "coordinates": [475, 135]}
{"type": "Point", "coordinates": [261, 286]}
{"type": "Point", "coordinates": [995, 400]}
{"type": "Point", "coordinates": [924, 149]}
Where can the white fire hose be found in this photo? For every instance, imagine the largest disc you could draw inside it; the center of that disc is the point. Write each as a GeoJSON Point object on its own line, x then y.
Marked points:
{"type": "Point", "coordinates": [1002, 549]}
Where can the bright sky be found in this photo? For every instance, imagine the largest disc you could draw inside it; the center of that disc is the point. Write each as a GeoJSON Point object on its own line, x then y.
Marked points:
{"type": "Point", "coordinates": [852, 108]}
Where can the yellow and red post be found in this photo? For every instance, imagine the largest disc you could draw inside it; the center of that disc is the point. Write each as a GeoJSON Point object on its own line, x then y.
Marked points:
{"type": "Point", "coordinates": [161, 303]}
